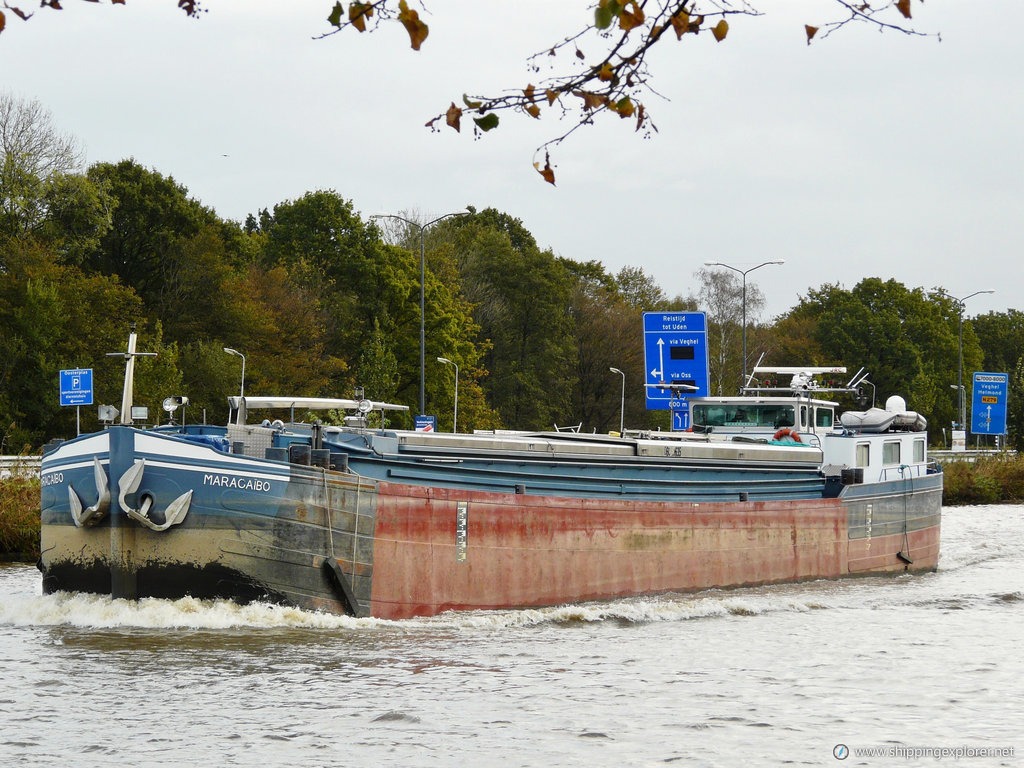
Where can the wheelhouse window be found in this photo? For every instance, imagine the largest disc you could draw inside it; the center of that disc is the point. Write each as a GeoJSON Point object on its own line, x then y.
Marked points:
{"type": "Point", "coordinates": [823, 417]}
{"type": "Point", "coordinates": [742, 415]}
{"type": "Point", "coordinates": [863, 454]}
{"type": "Point", "coordinates": [891, 452]}
{"type": "Point", "coordinates": [919, 450]}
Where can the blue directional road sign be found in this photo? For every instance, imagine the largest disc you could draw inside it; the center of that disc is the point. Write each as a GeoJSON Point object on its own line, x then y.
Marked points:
{"type": "Point", "coordinates": [76, 386]}
{"type": "Point", "coordinates": [988, 404]}
{"type": "Point", "coordinates": [675, 352]}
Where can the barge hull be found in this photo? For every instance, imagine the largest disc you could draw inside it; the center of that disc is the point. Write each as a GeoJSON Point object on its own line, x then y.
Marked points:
{"type": "Point", "coordinates": [331, 541]}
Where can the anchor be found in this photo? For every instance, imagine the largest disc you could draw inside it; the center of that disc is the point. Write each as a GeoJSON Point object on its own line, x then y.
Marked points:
{"type": "Point", "coordinates": [92, 514]}
{"type": "Point", "coordinates": [129, 483]}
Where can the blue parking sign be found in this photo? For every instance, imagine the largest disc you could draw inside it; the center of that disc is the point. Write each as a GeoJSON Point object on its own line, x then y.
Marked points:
{"type": "Point", "coordinates": [76, 386]}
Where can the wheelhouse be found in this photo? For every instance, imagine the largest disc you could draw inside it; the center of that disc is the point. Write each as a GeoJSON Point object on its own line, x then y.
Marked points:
{"type": "Point", "coordinates": [762, 417]}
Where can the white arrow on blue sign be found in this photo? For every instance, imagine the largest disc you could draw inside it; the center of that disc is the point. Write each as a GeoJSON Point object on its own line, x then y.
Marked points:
{"type": "Point", "coordinates": [76, 386]}
{"type": "Point", "coordinates": [675, 352]}
{"type": "Point", "coordinates": [988, 403]}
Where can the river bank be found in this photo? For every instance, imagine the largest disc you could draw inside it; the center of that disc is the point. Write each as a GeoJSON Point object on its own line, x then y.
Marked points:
{"type": "Point", "coordinates": [995, 480]}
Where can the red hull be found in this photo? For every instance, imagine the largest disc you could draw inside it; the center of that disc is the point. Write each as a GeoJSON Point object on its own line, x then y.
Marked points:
{"type": "Point", "coordinates": [531, 551]}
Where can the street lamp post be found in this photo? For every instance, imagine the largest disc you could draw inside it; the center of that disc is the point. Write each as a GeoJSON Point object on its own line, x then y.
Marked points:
{"type": "Point", "coordinates": [743, 273]}
{"type": "Point", "coordinates": [422, 229]}
{"type": "Point", "coordinates": [235, 352]}
{"type": "Point", "coordinates": [622, 401]}
{"type": "Point", "coordinates": [962, 409]}
{"type": "Point", "coordinates": [455, 413]}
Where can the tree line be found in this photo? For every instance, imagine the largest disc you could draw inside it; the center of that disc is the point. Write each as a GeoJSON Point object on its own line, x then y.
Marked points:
{"type": "Point", "coordinates": [322, 300]}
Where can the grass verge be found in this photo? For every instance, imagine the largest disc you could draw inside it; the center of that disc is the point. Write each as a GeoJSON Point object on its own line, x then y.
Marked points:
{"type": "Point", "coordinates": [997, 480]}
{"type": "Point", "coordinates": [19, 518]}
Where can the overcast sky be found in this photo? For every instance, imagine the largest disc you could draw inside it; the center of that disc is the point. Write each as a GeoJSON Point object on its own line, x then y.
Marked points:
{"type": "Point", "coordinates": [862, 155]}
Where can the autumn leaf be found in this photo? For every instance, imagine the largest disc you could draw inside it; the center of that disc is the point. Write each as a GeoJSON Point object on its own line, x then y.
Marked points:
{"type": "Point", "coordinates": [624, 107]}
{"type": "Point", "coordinates": [358, 13]}
{"type": "Point", "coordinates": [591, 100]}
{"type": "Point", "coordinates": [681, 24]}
{"type": "Point", "coordinates": [410, 19]}
{"type": "Point", "coordinates": [487, 122]}
{"type": "Point", "coordinates": [631, 19]}
{"type": "Point", "coordinates": [335, 18]}
{"type": "Point", "coordinates": [552, 96]}
{"type": "Point", "coordinates": [811, 32]}
{"type": "Point", "coordinates": [3, 21]}
{"type": "Point", "coordinates": [605, 73]}
{"type": "Point", "coordinates": [453, 116]}
{"type": "Point", "coordinates": [903, 6]}
{"type": "Point", "coordinates": [720, 30]}
{"type": "Point", "coordinates": [546, 172]}
{"type": "Point", "coordinates": [471, 104]}
{"type": "Point", "coordinates": [531, 109]}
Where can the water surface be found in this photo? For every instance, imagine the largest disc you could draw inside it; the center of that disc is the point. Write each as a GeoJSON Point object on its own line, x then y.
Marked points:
{"type": "Point", "coordinates": [763, 676]}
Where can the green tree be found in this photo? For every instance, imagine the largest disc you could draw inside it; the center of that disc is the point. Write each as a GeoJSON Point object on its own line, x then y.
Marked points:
{"type": "Point", "coordinates": [77, 216]}
{"type": "Point", "coordinates": [41, 195]}
{"type": "Point", "coordinates": [520, 301]}
{"type": "Point", "coordinates": [905, 338]}
{"type": "Point", "coordinates": [1001, 337]}
{"type": "Point", "coordinates": [193, 299]}
{"type": "Point", "coordinates": [720, 295]}
{"type": "Point", "coordinates": [32, 152]}
{"type": "Point", "coordinates": [208, 377]}
{"type": "Point", "coordinates": [1015, 408]}
{"type": "Point", "coordinates": [640, 290]}
{"type": "Point", "coordinates": [328, 250]}
{"type": "Point", "coordinates": [283, 333]}
{"type": "Point", "coordinates": [450, 329]}
{"type": "Point", "coordinates": [452, 332]}
{"type": "Point", "coordinates": [377, 367]}
{"type": "Point", "coordinates": [367, 293]}
{"type": "Point", "coordinates": [607, 331]}
{"type": "Point", "coordinates": [152, 218]}
{"type": "Point", "coordinates": [54, 317]}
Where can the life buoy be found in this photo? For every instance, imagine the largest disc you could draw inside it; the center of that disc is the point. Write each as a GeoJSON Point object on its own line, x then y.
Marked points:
{"type": "Point", "coordinates": [785, 433]}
